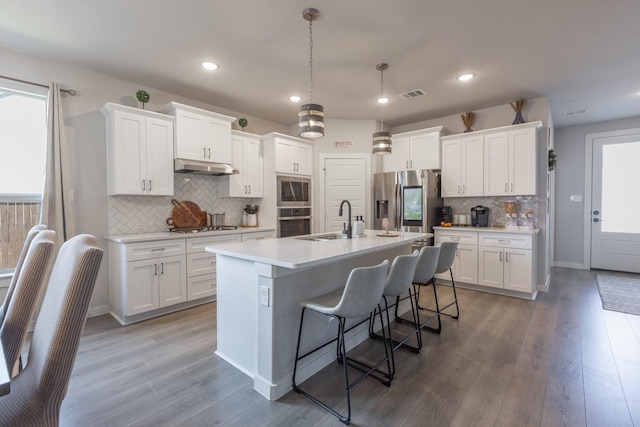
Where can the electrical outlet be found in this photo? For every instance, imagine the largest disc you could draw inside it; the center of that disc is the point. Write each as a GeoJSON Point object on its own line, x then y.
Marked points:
{"type": "Point", "coordinates": [264, 296]}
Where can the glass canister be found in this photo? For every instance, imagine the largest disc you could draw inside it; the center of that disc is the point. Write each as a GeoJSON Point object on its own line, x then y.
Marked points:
{"type": "Point", "coordinates": [526, 212]}
{"type": "Point", "coordinates": [511, 211]}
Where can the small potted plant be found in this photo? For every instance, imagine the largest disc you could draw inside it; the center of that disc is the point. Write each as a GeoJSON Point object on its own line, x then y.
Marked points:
{"type": "Point", "coordinates": [143, 96]}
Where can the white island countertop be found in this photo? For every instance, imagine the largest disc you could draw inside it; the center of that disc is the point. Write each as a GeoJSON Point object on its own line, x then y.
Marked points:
{"type": "Point", "coordinates": [297, 253]}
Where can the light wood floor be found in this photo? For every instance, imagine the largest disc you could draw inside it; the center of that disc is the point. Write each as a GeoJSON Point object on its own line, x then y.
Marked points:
{"type": "Point", "coordinates": [559, 360]}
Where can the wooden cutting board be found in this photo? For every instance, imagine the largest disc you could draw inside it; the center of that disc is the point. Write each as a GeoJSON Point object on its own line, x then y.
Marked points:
{"type": "Point", "coordinates": [187, 214]}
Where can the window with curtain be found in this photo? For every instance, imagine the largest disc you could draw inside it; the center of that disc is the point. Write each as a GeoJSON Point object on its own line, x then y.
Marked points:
{"type": "Point", "coordinates": [23, 138]}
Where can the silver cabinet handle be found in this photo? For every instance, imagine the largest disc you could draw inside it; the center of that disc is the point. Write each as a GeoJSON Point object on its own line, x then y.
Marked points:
{"type": "Point", "coordinates": [459, 188]}
{"type": "Point", "coordinates": [504, 241]}
{"type": "Point", "coordinates": [464, 189]}
{"type": "Point", "coordinates": [204, 152]}
{"type": "Point", "coordinates": [500, 256]}
{"type": "Point", "coordinates": [505, 187]}
{"type": "Point", "coordinates": [209, 151]}
{"type": "Point", "coordinates": [162, 268]}
{"type": "Point", "coordinates": [155, 273]}
{"type": "Point", "coordinates": [149, 185]}
{"type": "Point", "coordinates": [249, 189]}
{"type": "Point", "coordinates": [144, 185]}
{"type": "Point", "coordinates": [506, 256]}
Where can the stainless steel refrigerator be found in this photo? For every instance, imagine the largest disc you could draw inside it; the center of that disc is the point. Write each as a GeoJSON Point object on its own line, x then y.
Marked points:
{"type": "Point", "coordinates": [409, 199]}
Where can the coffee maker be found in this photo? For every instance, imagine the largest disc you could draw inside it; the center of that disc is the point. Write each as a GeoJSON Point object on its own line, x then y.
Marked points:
{"type": "Point", "coordinates": [480, 216]}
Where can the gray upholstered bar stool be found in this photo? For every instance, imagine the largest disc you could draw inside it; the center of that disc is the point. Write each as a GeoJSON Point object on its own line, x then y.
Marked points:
{"type": "Point", "coordinates": [360, 296]}
{"type": "Point", "coordinates": [399, 281]}
{"type": "Point", "coordinates": [445, 261]}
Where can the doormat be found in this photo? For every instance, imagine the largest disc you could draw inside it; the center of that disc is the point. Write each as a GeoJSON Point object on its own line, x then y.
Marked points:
{"type": "Point", "coordinates": [619, 293]}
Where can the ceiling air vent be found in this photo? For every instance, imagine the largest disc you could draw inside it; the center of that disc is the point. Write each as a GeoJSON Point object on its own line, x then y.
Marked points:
{"type": "Point", "coordinates": [413, 94]}
{"type": "Point", "coordinates": [579, 112]}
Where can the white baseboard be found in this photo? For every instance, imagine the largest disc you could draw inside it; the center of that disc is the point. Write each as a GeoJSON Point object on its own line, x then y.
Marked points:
{"type": "Point", "coordinates": [570, 265]}
{"type": "Point", "coordinates": [545, 286]}
{"type": "Point", "coordinates": [98, 311]}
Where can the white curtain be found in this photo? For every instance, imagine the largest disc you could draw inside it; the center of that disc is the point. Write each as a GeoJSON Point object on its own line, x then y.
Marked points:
{"type": "Point", "coordinates": [56, 212]}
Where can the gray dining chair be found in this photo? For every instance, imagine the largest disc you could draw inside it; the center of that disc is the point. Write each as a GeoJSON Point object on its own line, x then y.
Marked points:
{"type": "Point", "coordinates": [31, 279]}
{"type": "Point", "coordinates": [38, 390]}
{"type": "Point", "coordinates": [16, 272]}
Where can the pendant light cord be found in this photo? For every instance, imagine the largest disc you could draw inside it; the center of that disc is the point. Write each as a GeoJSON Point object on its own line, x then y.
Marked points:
{"type": "Point", "coordinates": [382, 104]}
{"type": "Point", "coordinates": [310, 61]}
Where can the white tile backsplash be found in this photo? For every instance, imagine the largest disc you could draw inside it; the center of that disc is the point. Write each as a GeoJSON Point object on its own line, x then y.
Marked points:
{"type": "Point", "coordinates": [462, 205]}
{"type": "Point", "coordinates": [148, 214]}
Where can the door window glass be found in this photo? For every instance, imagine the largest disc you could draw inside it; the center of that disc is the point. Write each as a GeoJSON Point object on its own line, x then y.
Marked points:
{"type": "Point", "coordinates": [620, 191]}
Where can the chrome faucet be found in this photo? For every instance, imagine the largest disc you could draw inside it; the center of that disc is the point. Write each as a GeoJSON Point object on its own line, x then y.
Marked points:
{"type": "Point", "coordinates": [349, 229]}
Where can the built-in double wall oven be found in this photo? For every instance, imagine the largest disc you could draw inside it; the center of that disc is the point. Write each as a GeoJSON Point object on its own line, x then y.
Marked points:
{"type": "Point", "coordinates": [294, 206]}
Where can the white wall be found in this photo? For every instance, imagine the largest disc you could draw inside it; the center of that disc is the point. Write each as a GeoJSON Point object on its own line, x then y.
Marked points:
{"type": "Point", "coordinates": [85, 132]}
{"type": "Point", "coordinates": [569, 180]}
{"type": "Point", "coordinates": [486, 118]}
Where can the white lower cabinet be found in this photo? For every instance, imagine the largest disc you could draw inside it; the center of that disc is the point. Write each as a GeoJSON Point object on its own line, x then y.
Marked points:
{"type": "Point", "coordinates": [506, 261]}
{"type": "Point", "coordinates": [147, 276]}
{"type": "Point", "coordinates": [465, 264]}
{"type": "Point", "coordinates": [499, 260]}
{"type": "Point", "coordinates": [201, 265]}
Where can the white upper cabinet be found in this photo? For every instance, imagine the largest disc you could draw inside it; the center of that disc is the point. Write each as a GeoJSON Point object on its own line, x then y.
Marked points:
{"type": "Point", "coordinates": [291, 155]}
{"type": "Point", "coordinates": [247, 156]}
{"type": "Point", "coordinates": [200, 134]}
{"type": "Point", "coordinates": [139, 151]}
{"type": "Point", "coordinates": [418, 149]}
{"type": "Point", "coordinates": [510, 161]}
{"type": "Point", "coordinates": [462, 166]}
{"type": "Point", "coordinates": [492, 162]}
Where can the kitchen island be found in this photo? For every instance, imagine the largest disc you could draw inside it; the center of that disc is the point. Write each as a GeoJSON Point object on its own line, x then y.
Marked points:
{"type": "Point", "coordinates": [260, 287]}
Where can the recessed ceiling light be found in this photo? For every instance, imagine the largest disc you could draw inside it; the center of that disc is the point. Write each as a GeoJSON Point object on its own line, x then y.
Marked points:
{"type": "Point", "coordinates": [383, 100]}
{"type": "Point", "coordinates": [294, 98]}
{"type": "Point", "coordinates": [210, 66]}
{"type": "Point", "coordinates": [466, 77]}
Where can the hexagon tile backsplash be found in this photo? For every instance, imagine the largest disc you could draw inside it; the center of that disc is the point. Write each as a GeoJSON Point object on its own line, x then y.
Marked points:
{"type": "Point", "coordinates": [148, 214]}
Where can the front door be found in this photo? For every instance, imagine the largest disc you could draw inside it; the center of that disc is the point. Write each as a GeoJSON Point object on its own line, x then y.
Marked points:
{"type": "Point", "coordinates": [615, 201]}
{"type": "Point", "coordinates": [344, 179]}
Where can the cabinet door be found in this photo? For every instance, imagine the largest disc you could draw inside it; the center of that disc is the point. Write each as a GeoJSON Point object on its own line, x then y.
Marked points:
{"type": "Point", "coordinates": [490, 268]}
{"type": "Point", "coordinates": [236, 183]}
{"type": "Point", "coordinates": [142, 286]}
{"type": "Point", "coordinates": [172, 280]}
{"type": "Point", "coordinates": [398, 159]}
{"type": "Point", "coordinates": [451, 184]}
{"type": "Point", "coordinates": [284, 156]}
{"type": "Point", "coordinates": [425, 151]}
{"type": "Point", "coordinates": [253, 166]}
{"type": "Point", "coordinates": [128, 168]}
{"type": "Point", "coordinates": [303, 158]}
{"type": "Point", "coordinates": [472, 166]}
{"type": "Point", "coordinates": [159, 157]}
{"type": "Point", "coordinates": [201, 263]}
{"type": "Point", "coordinates": [466, 264]}
{"type": "Point", "coordinates": [217, 140]}
{"type": "Point", "coordinates": [518, 270]}
{"type": "Point", "coordinates": [522, 161]}
{"type": "Point", "coordinates": [190, 136]}
{"type": "Point", "coordinates": [496, 164]}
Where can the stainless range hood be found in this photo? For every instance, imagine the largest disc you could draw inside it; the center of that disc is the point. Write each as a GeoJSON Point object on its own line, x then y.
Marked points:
{"type": "Point", "coordinates": [203, 168]}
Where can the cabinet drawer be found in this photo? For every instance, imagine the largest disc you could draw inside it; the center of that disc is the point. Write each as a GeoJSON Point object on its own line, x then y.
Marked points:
{"type": "Point", "coordinates": [157, 249]}
{"type": "Point", "coordinates": [518, 241]}
{"type": "Point", "coordinates": [197, 244]}
{"type": "Point", "coordinates": [201, 263]}
{"type": "Point", "coordinates": [462, 237]}
{"type": "Point", "coordinates": [201, 287]}
{"type": "Point", "coordinates": [260, 235]}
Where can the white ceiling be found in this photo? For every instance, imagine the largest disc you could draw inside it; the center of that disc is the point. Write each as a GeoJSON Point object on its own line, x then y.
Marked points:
{"type": "Point", "coordinates": [578, 53]}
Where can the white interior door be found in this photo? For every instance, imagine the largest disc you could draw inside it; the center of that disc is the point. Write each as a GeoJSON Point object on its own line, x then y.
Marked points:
{"type": "Point", "coordinates": [615, 202]}
{"type": "Point", "coordinates": [344, 179]}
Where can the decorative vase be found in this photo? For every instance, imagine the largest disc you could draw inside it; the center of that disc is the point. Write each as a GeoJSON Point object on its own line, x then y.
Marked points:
{"type": "Point", "coordinates": [252, 220]}
{"type": "Point", "coordinates": [519, 119]}
{"type": "Point", "coordinates": [467, 120]}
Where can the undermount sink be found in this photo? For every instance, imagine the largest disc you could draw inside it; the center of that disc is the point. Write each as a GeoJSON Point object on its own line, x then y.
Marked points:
{"type": "Point", "coordinates": [323, 237]}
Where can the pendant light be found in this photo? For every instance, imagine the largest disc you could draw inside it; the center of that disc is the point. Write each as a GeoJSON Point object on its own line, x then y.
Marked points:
{"type": "Point", "coordinates": [382, 140]}
{"type": "Point", "coordinates": [311, 116]}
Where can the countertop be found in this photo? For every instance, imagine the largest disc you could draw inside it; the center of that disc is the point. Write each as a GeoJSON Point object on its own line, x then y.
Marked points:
{"type": "Point", "coordinates": [295, 253]}
{"type": "Point", "coordinates": [149, 237]}
{"type": "Point", "coordinates": [519, 230]}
